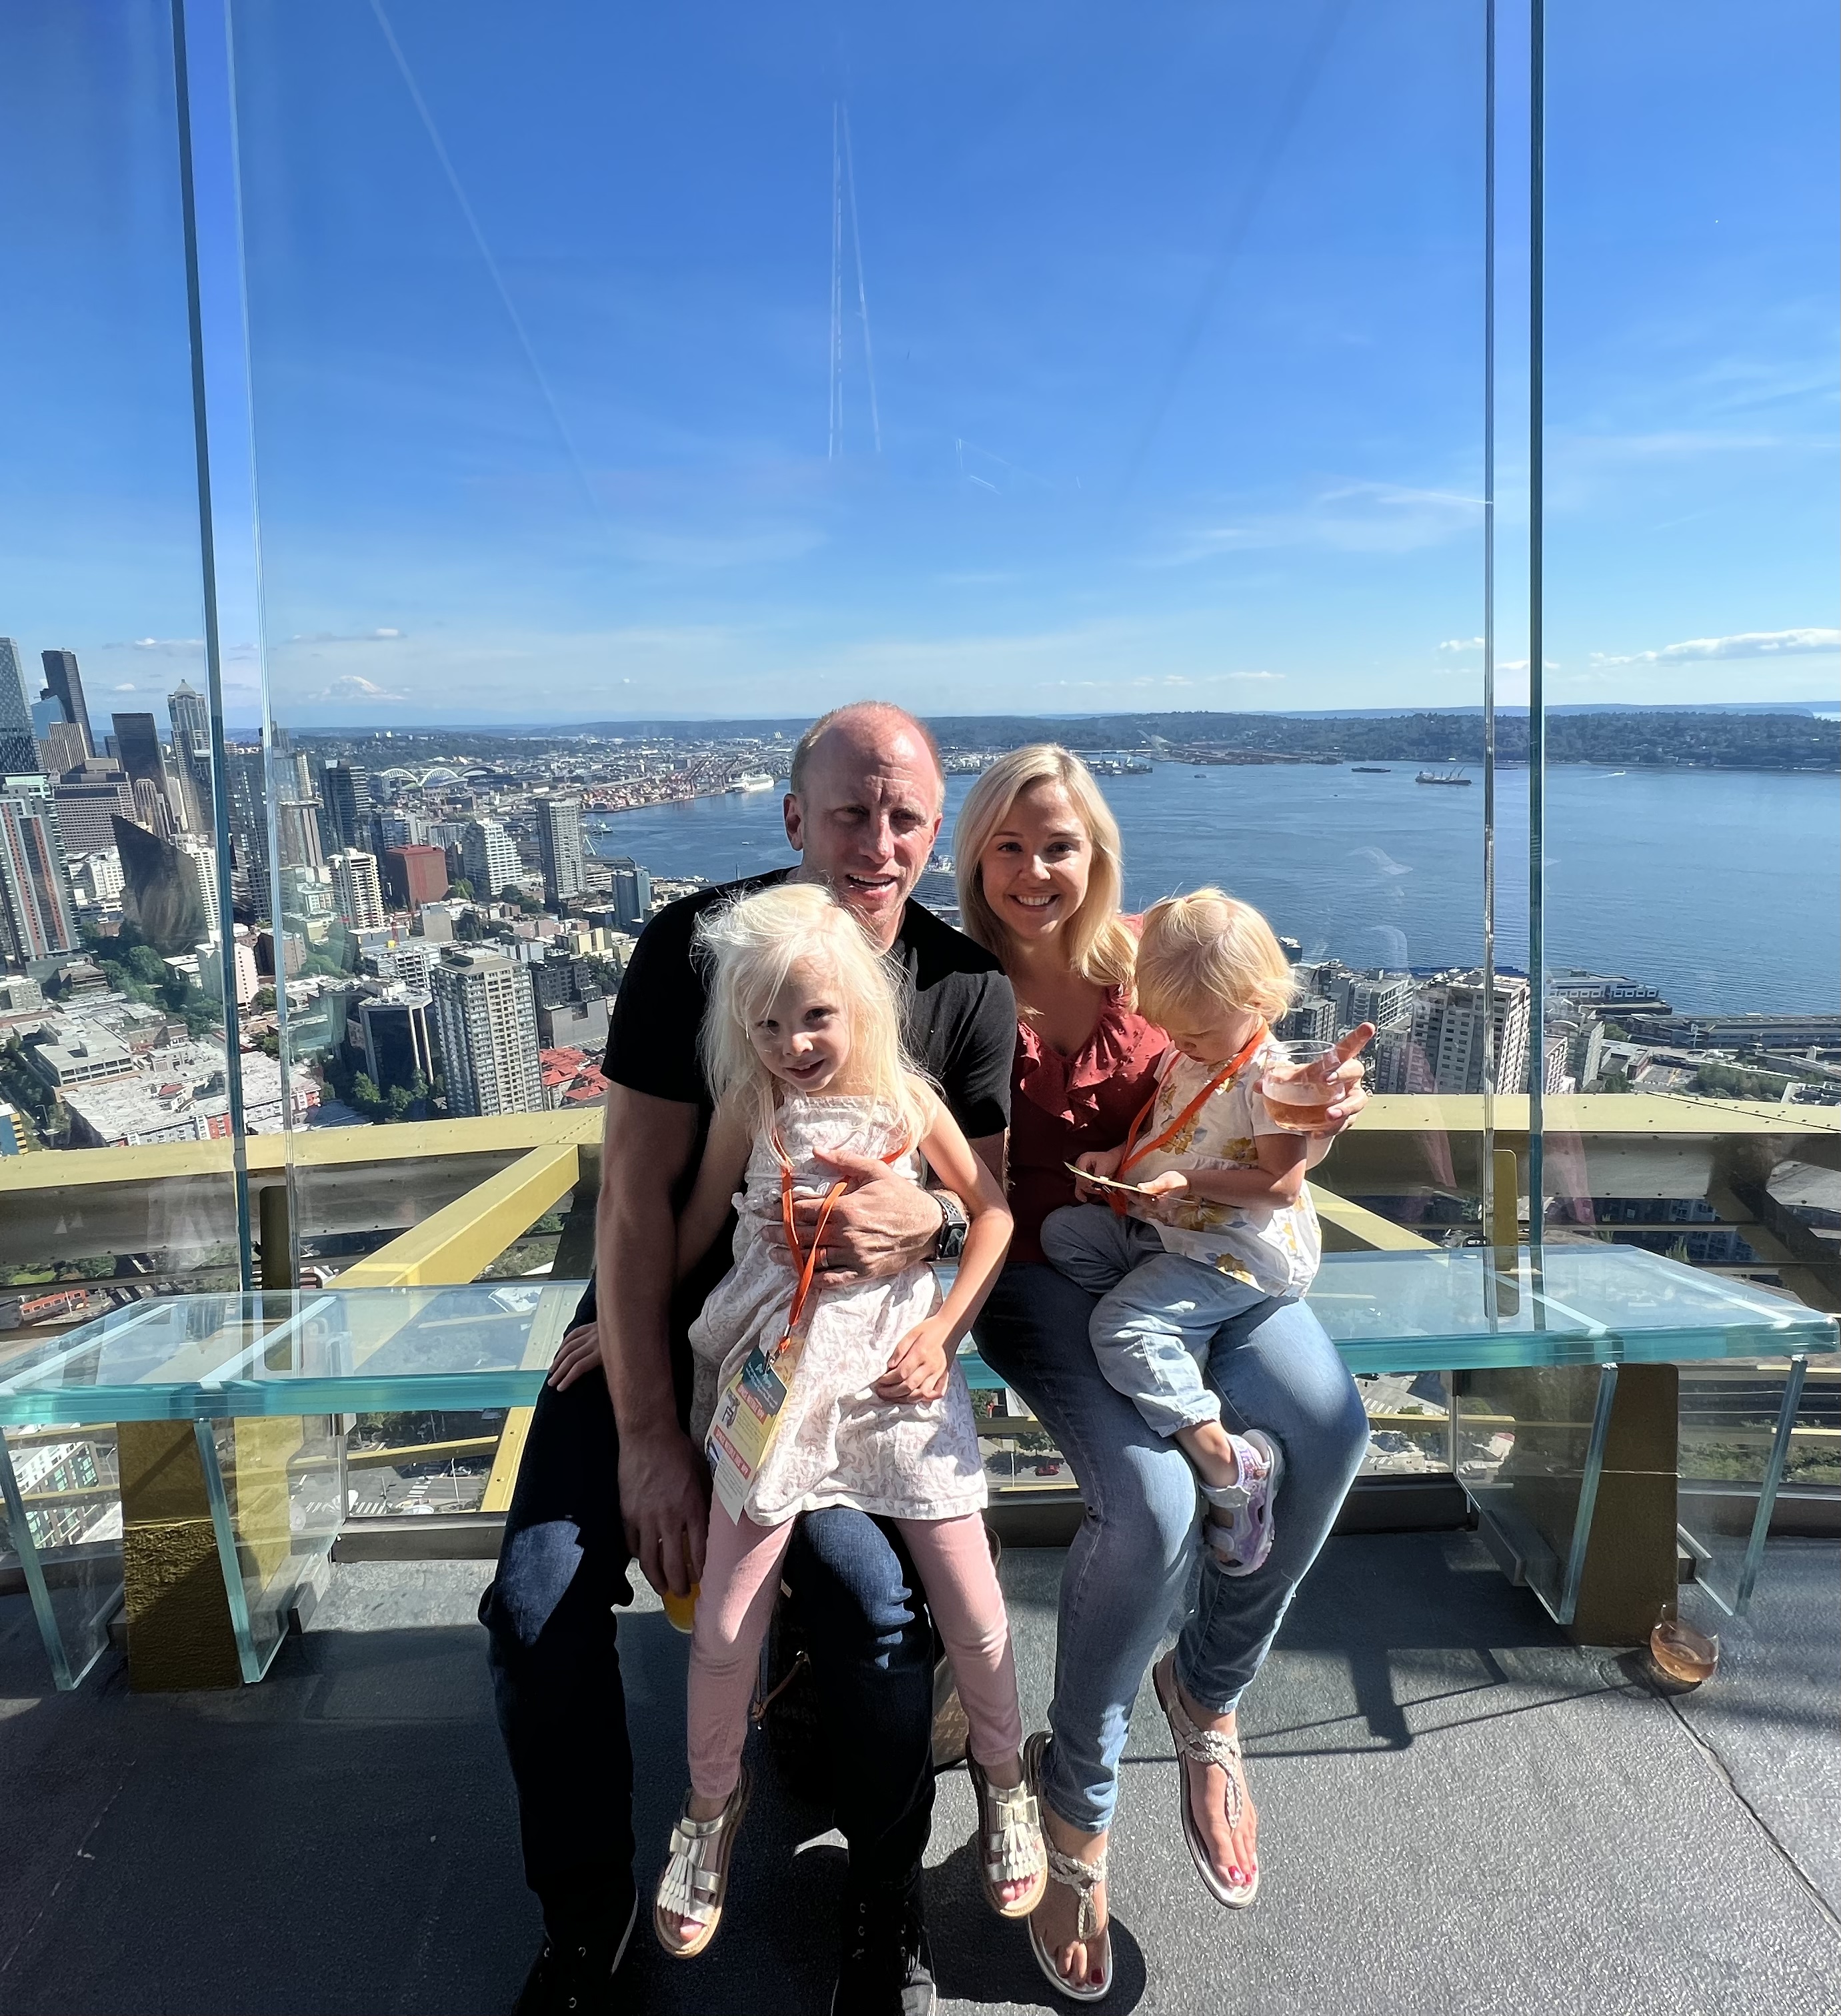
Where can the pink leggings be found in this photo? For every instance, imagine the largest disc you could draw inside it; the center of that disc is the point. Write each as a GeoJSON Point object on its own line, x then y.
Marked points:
{"type": "Point", "coordinates": [741, 1579]}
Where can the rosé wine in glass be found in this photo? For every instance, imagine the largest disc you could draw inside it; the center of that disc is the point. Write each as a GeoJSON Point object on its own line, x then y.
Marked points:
{"type": "Point", "coordinates": [1296, 1094]}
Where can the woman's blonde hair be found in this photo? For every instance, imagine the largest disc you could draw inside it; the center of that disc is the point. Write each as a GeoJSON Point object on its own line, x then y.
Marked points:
{"type": "Point", "coordinates": [1208, 951]}
{"type": "Point", "coordinates": [1099, 946]}
{"type": "Point", "coordinates": [753, 946]}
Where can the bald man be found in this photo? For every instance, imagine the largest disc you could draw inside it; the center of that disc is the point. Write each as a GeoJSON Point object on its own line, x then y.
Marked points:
{"type": "Point", "coordinates": [610, 1477]}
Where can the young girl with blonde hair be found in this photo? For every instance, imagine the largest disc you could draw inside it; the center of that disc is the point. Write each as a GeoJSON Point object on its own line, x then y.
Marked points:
{"type": "Point", "coordinates": [802, 1049]}
{"type": "Point", "coordinates": [1223, 1220]}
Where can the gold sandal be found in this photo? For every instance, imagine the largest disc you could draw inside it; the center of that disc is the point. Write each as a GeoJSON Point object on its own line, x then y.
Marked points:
{"type": "Point", "coordinates": [1072, 1874]}
{"type": "Point", "coordinates": [1204, 1746]}
{"type": "Point", "coordinates": [1010, 1844]}
{"type": "Point", "coordinates": [695, 1882]}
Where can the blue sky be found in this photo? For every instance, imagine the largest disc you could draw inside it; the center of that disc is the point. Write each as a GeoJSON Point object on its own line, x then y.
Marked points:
{"type": "Point", "coordinates": [1175, 321]}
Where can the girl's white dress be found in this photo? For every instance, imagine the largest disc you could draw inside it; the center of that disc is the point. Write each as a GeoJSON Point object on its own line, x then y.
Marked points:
{"type": "Point", "coordinates": [837, 1444]}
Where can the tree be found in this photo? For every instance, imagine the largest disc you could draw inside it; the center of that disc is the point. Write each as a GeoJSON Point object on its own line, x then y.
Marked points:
{"type": "Point", "coordinates": [461, 889]}
{"type": "Point", "coordinates": [513, 896]}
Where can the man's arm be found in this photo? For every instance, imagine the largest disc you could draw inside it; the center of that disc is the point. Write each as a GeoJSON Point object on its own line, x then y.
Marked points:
{"type": "Point", "coordinates": [647, 1145]}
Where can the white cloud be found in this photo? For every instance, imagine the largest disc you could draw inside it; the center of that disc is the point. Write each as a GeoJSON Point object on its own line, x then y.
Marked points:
{"type": "Point", "coordinates": [346, 637]}
{"type": "Point", "coordinates": [1744, 644]}
{"type": "Point", "coordinates": [1358, 517]}
{"type": "Point", "coordinates": [129, 687]}
{"type": "Point", "coordinates": [350, 687]}
{"type": "Point", "coordinates": [1461, 644]}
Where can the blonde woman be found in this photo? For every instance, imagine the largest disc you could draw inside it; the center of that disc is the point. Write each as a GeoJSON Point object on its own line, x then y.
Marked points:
{"type": "Point", "coordinates": [802, 1049]}
{"type": "Point", "coordinates": [1038, 865]}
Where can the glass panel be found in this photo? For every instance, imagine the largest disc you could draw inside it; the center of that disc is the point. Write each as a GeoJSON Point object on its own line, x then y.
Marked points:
{"type": "Point", "coordinates": [278, 1490]}
{"type": "Point", "coordinates": [60, 1521]}
{"type": "Point", "coordinates": [1694, 780]}
{"type": "Point", "coordinates": [1739, 1443]}
{"type": "Point", "coordinates": [113, 976]}
{"type": "Point", "coordinates": [582, 477]}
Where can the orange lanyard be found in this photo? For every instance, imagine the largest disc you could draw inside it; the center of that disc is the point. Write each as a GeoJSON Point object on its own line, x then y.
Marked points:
{"type": "Point", "coordinates": [1226, 1075]}
{"type": "Point", "coordinates": [802, 1293]}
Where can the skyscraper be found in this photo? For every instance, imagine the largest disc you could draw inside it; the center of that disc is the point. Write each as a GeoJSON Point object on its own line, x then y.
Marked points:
{"type": "Point", "coordinates": [631, 892]}
{"type": "Point", "coordinates": [66, 747]}
{"type": "Point", "coordinates": [413, 876]}
{"type": "Point", "coordinates": [559, 844]}
{"type": "Point", "coordinates": [486, 1033]}
{"type": "Point", "coordinates": [345, 793]}
{"type": "Point", "coordinates": [160, 894]}
{"type": "Point", "coordinates": [19, 748]}
{"type": "Point", "coordinates": [190, 713]}
{"type": "Point", "coordinates": [136, 744]}
{"type": "Point", "coordinates": [488, 859]}
{"type": "Point", "coordinates": [355, 894]}
{"type": "Point", "coordinates": [62, 676]}
{"type": "Point", "coordinates": [1445, 1044]}
{"type": "Point", "coordinates": [249, 828]}
{"type": "Point", "coordinates": [38, 919]}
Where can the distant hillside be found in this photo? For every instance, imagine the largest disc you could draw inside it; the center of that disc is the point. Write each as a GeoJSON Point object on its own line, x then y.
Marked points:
{"type": "Point", "coordinates": [1647, 738]}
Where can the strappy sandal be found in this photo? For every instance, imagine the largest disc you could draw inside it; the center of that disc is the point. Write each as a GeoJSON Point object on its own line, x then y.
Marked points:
{"type": "Point", "coordinates": [1010, 1844]}
{"type": "Point", "coordinates": [1241, 1542]}
{"type": "Point", "coordinates": [1204, 1746]}
{"type": "Point", "coordinates": [695, 1882]}
{"type": "Point", "coordinates": [1084, 1876]}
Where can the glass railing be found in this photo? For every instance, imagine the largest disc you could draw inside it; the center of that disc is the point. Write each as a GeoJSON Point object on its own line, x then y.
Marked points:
{"type": "Point", "coordinates": [1180, 404]}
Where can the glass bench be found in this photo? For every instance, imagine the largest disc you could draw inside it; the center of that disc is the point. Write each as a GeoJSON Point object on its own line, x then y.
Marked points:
{"type": "Point", "coordinates": [223, 1416]}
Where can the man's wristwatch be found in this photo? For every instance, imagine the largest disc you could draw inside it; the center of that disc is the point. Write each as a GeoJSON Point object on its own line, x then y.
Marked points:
{"type": "Point", "coordinates": [953, 1226]}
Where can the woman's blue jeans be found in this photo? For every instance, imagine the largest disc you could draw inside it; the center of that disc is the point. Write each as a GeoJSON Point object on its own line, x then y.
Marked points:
{"type": "Point", "coordinates": [1137, 1555]}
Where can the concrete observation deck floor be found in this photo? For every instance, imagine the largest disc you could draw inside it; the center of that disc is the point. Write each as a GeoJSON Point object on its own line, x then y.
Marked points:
{"type": "Point", "coordinates": [1461, 1812]}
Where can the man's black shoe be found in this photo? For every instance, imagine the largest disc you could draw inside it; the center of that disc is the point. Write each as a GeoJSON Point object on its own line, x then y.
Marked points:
{"type": "Point", "coordinates": [575, 1976]}
{"type": "Point", "coordinates": [886, 1968]}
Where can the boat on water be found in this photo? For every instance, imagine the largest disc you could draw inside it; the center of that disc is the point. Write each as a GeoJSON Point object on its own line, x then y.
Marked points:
{"type": "Point", "coordinates": [1454, 776]}
{"type": "Point", "coordinates": [754, 780]}
{"type": "Point", "coordinates": [1371, 769]}
{"type": "Point", "coordinates": [938, 864]}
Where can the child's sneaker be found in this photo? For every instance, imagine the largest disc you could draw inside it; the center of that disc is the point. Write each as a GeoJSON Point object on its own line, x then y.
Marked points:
{"type": "Point", "coordinates": [1242, 1544]}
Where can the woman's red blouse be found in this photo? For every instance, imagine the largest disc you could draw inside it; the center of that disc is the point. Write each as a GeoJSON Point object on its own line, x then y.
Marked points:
{"type": "Point", "coordinates": [1061, 1107]}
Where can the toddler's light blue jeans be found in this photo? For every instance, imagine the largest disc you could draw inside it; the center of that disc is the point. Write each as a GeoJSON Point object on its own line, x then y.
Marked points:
{"type": "Point", "coordinates": [1158, 1312]}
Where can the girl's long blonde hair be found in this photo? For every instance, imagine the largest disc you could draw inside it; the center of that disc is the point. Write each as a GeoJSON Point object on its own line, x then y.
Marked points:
{"type": "Point", "coordinates": [752, 945]}
{"type": "Point", "coordinates": [1099, 945]}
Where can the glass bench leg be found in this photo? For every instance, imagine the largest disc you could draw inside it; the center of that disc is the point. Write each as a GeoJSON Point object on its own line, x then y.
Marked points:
{"type": "Point", "coordinates": [63, 1521]}
{"type": "Point", "coordinates": [272, 1485]}
{"type": "Point", "coordinates": [1591, 1472]}
{"type": "Point", "coordinates": [1738, 1422]}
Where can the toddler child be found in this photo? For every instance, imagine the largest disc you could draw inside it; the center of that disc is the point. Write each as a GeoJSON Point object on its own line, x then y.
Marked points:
{"type": "Point", "coordinates": [815, 1395]}
{"type": "Point", "coordinates": [1228, 1223]}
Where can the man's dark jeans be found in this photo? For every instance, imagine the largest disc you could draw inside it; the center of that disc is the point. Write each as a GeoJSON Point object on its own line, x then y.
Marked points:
{"type": "Point", "coordinates": [562, 1569]}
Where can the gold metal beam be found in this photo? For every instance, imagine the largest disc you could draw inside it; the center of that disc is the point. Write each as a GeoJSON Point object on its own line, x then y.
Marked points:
{"type": "Point", "coordinates": [455, 1242]}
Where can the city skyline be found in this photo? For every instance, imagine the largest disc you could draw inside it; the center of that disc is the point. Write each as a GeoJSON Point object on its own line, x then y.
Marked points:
{"type": "Point", "coordinates": [1180, 405]}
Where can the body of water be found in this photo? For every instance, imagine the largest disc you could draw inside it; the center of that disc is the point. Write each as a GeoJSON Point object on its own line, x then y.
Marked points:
{"type": "Point", "coordinates": [1723, 889]}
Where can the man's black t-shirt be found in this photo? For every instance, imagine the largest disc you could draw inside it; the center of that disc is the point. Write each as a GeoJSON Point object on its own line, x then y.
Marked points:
{"type": "Point", "coordinates": [961, 1019]}
{"type": "Point", "coordinates": [960, 1028]}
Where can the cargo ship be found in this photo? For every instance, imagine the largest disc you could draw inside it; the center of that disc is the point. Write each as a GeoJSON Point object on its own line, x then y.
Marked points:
{"type": "Point", "coordinates": [1452, 776]}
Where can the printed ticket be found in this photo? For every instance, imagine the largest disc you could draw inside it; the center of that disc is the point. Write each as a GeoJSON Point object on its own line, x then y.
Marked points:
{"type": "Point", "coordinates": [742, 1431]}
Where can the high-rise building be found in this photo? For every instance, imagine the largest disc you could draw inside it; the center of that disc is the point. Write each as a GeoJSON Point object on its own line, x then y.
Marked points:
{"type": "Point", "coordinates": [489, 858]}
{"type": "Point", "coordinates": [203, 858]}
{"type": "Point", "coordinates": [249, 828]}
{"type": "Point", "coordinates": [190, 713]}
{"type": "Point", "coordinates": [559, 844]}
{"type": "Point", "coordinates": [137, 749]}
{"type": "Point", "coordinates": [345, 791]}
{"type": "Point", "coordinates": [153, 809]}
{"type": "Point", "coordinates": [63, 679]}
{"type": "Point", "coordinates": [1450, 1021]}
{"type": "Point", "coordinates": [631, 891]}
{"type": "Point", "coordinates": [486, 1033]}
{"type": "Point", "coordinates": [297, 828]}
{"type": "Point", "coordinates": [413, 876]}
{"type": "Point", "coordinates": [393, 1025]}
{"type": "Point", "coordinates": [86, 803]}
{"type": "Point", "coordinates": [1311, 1020]}
{"type": "Point", "coordinates": [18, 746]}
{"type": "Point", "coordinates": [64, 746]}
{"type": "Point", "coordinates": [160, 893]}
{"type": "Point", "coordinates": [355, 891]}
{"type": "Point", "coordinates": [37, 918]}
